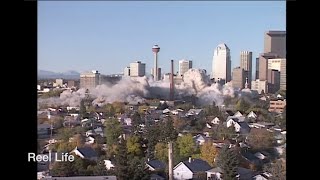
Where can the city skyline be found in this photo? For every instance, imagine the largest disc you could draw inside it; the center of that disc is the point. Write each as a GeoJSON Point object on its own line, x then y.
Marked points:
{"type": "Point", "coordinates": [82, 36]}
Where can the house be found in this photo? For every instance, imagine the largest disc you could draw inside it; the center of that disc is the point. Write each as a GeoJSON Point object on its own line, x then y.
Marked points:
{"type": "Point", "coordinates": [90, 140]}
{"type": "Point", "coordinates": [240, 127]}
{"type": "Point", "coordinates": [82, 178]}
{"type": "Point", "coordinates": [238, 114]}
{"type": "Point", "coordinates": [217, 173]}
{"type": "Point", "coordinates": [262, 176]}
{"type": "Point", "coordinates": [99, 131]}
{"type": "Point", "coordinates": [166, 111]}
{"type": "Point", "coordinates": [89, 133]}
{"type": "Point", "coordinates": [155, 165]}
{"type": "Point", "coordinates": [85, 153]}
{"type": "Point", "coordinates": [127, 121]}
{"type": "Point", "coordinates": [200, 139]}
{"type": "Point", "coordinates": [156, 177]}
{"type": "Point", "coordinates": [109, 165]}
{"type": "Point", "coordinates": [237, 119]}
{"type": "Point", "coordinates": [194, 112]}
{"type": "Point", "coordinates": [209, 125]}
{"type": "Point", "coordinates": [252, 115]}
{"type": "Point", "coordinates": [216, 120]}
{"type": "Point", "coordinates": [190, 169]}
{"type": "Point", "coordinates": [261, 125]}
{"type": "Point", "coordinates": [250, 159]}
{"type": "Point", "coordinates": [260, 155]}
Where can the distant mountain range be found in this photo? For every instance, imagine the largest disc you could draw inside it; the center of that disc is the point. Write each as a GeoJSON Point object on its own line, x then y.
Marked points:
{"type": "Point", "coordinates": [42, 74]}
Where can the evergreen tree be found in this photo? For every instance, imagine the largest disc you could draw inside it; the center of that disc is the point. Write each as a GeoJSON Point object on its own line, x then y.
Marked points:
{"type": "Point", "coordinates": [168, 131]}
{"type": "Point", "coordinates": [227, 160]}
{"type": "Point", "coordinates": [83, 110]}
{"type": "Point", "coordinates": [113, 131]}
{"type": "Point", "coordinates": [136, 169]}
{"type": "Point", "coordinates": [121, 161]}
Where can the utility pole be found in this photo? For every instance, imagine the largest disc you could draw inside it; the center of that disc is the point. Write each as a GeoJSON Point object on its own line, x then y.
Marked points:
{"type": "Point", "coordinates": [170, 156]}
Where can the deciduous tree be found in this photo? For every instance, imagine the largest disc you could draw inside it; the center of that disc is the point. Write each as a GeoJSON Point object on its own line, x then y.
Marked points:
{"type": "Point", "coordinates": [208, 152]}
{"type": "Point", "coordinates": [134, 146]}
{"type": "Point", "coordinates": [260, 139]}
{"type": "Point", "coordinates": [161, 151]}
{"type": "Point", "coordinates": [186, 145]}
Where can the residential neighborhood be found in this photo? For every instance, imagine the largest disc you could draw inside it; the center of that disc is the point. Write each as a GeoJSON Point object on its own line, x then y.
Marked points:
{"type": "Point", "coordinates": [253, 133]}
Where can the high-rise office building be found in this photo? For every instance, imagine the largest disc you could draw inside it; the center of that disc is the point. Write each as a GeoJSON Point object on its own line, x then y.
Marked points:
{"type": "Point", "coordinates": [246, 64]}
{"type": "Point", "coordinates": [257, 68]}
{"type": "Point", "coordinates": [275, 42]}
{"type": "Point", "coordinates": [260, 86]}
{"type": "Point", "coordinates": [280, 65]}
{"type": "Point", "coordinates": [263, 64]}
{"type": "Point", "coordinates": [273, 80]}
{"type": "Point", "coordinates": [221, 68]}
{"type": "Point", "coordinates": [238, 78]}
{"type": "Point", "coordinates": [89, 80]}
{"type": "Point", "coordinates": [184, 66]}
{"type": "Point", "coordinates": [137, 69]}
{"type": "Point", "coordinates": [126, 71]}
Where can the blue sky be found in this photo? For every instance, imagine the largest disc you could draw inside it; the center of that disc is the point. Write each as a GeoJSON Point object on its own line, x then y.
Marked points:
{"type": "Point", "coordinates": [108, 35]}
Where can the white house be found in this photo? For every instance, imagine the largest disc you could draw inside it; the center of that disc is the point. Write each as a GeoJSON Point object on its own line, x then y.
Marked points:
{"type": "Point", "coordinates": [252, 115]}
{"type": "Point", "coordinates": [215, 173]}
{"type": "Point", "coordinates": [127, 121]}
{"type": "Point", "coordinates": [216, 120]}
{"type": "Point", "coordinates": [190, 169]}
{"type": "Point", "coordinates": [108, 164]}
{"type": "Point", "coordinates": [238, 114]}
{"type": "Point", "coordinates": [208, 125]}
{"type": "Point", "coordinates": [262, 176]}
{"type": "Point", "coordinates": [194, 112]}
{"type": "Point", "coordinates": [166, 111]}
{"type": "Point", "coordinates": [199, 139]}
{"type": "Point", "coordinates": [241, 127]}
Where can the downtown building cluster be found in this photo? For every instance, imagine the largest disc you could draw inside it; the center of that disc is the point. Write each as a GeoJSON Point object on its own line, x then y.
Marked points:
{"type": "Point", "coordinates": [270, 73]}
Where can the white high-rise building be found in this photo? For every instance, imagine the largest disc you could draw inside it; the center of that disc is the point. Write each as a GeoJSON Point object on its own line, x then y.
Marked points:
{"type": "Point", "coordinates": [184, 66]}
{"type": "Point", "coordinates": [260, 86]}
{"type": "Point", "coordinates": [221, 65]}
{"type": "Point", "coordinates": [137, 69]}
{"type": "Point", "coordinates": [126, 71]}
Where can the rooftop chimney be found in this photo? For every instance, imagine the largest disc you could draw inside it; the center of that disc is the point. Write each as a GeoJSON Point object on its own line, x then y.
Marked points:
{"type": "Point", "coordinates": [190, 159]}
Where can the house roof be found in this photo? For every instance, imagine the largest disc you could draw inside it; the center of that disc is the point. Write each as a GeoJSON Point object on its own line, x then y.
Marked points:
{"type": "Point", "coordinates": [236, 119]}
{"type": "Point", "coordinates": [249, 156]}
{"type": "Point", "coordinates": [197, 165]}
{"type": "Point", "coordinates": [244, 125]}
{"type": "Point", "coordinates": [215, 170]}
{"type": "Point", "coordinates": [87, 152]}
{"type": "Point", "coordinates": [156, 164]}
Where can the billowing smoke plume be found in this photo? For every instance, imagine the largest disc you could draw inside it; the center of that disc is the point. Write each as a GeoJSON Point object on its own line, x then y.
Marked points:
{"type": "Point", "coordinates": [133, 90]}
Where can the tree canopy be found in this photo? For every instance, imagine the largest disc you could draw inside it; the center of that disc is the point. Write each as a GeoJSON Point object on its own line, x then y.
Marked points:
{"type": "Point", "coordinates": [227, 160]}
